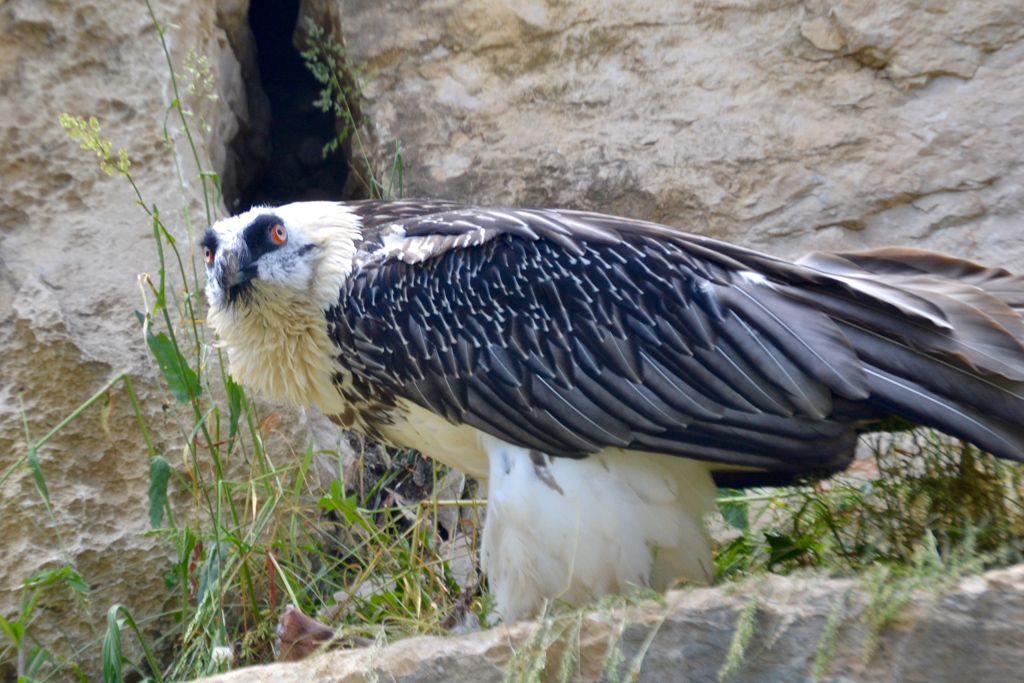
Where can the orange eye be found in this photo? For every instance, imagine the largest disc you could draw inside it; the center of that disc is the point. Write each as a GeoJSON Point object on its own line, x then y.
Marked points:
{"type": "Point", "coordinates": [208, 256]}
{"type": "Point", "coordinates": [278, 234]}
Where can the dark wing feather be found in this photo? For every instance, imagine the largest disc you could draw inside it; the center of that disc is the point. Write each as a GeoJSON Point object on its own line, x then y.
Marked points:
{"type": "Point", "coordinates": [571, 332]}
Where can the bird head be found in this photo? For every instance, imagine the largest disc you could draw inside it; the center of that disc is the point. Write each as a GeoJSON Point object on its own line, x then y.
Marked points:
{"type": "Point", "coordinates": [271, 273]}
{"type": "Point", "coordinates": [299, 251]}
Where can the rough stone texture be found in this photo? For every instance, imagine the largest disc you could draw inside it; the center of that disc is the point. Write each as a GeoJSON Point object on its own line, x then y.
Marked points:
{"type": "Point", "coordinates": [72, 243]}
{"type": "Point", "coordinates": [781, 124]}
{"type": "Point", "coordinates": [787, 125]}
{"type": "Point", "coordinates": [973, 633]}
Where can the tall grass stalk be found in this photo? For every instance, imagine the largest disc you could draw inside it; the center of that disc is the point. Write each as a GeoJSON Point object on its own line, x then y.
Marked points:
{"type": "Point", "coordinates": [259, 531]}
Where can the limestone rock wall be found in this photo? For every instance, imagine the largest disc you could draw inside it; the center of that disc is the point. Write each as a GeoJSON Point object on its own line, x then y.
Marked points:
{"type": "Point", "coordinates": [782, 124]}
{"type": "Point", "coordinates": [72, 244]}
{"type": "Point", "coordinates": [787, 125]}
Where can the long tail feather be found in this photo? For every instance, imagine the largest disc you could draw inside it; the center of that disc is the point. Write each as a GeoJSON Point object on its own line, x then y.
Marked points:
{"type": "Point", "coordinates": [942, 339]}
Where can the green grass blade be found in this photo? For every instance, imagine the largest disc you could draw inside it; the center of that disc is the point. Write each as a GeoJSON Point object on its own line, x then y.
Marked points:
{"type": "Point", "coordinates": [112, 657]}
{"type": "Point", "coordinates": [159, 475]}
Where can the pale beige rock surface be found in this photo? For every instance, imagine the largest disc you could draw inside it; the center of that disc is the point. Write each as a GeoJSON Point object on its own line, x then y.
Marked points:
{"type": "Point", "coordinates": [72, 244]}
{"type": "Point", "coordinates": [970, 634]}
{"type": "Point", "coordinates": [784, 125]}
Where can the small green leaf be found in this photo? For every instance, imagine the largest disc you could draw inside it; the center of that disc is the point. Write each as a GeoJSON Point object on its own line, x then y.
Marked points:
{"type": "Point", "coordinates": [171, 577]}
{"type": "Point", "coordinates": [181, 379]}
{"type": "Point", "coordinates": [112, 658]}
{"type": "Point", "coordinates": [37, 475]}
{"type": "Point", "coordinates": [786, 548]}
{"type": "Point", "coordinates": [235, 395]}
{"type": "Point", "coordinates": [39, 657]}
{"type": "Point", "coordinates": [735, 514]}
{"type": "Point", "coordinates": [159, 474]}
{"type": "Point", "coordinates": [75, 580]}
{"type": "Point", "coordinates": [50, 577]}
{"type": "Point", "coordinates": [336, 501]}
{"type": "Point", "coordinates": [210, 570]}
{"type": "Point", "coordinates": [188, 544]}
{"type": "Point", "coordinates": [13, 631]}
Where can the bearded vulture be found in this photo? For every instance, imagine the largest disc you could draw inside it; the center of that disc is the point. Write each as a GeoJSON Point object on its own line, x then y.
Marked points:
{"type": "Point", "coordinates": [602, 375]}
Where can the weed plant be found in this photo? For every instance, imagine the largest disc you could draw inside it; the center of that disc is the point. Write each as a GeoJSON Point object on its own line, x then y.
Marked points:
{"type": "Point", "coordinates": [258, 531]}
{"type": "Point", "coordinates": [923, 510]}
{"type": "Point", "coordinates": [918, 486]}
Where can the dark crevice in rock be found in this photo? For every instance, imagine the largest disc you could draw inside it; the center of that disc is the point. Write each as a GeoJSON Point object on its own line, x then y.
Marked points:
{"type": "Point", "coordinates": [277, 154]}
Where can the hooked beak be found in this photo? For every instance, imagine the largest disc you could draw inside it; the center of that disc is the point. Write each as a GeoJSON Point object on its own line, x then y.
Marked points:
{"type": "Point", "coordinates": [235, 273]}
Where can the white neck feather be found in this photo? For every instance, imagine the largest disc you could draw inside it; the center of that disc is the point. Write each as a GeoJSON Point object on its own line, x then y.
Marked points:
{"type": "Point", "coordinates": [277, 340]}
{"type": "Point", "coordinates": [280, 347]}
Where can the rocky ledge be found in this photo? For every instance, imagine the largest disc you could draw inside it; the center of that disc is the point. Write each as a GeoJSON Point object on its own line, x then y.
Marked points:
{"type": "Point", "coordinates": [799, 629]}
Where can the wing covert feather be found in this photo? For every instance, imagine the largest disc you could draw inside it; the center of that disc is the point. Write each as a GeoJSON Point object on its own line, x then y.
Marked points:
{"type": "Point", "coordinates": [571, 332]}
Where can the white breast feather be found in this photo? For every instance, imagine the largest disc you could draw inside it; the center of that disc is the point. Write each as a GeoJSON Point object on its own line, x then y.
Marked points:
{"type": "Point", "coordinates": [575, 530]}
